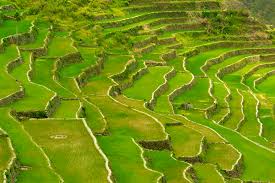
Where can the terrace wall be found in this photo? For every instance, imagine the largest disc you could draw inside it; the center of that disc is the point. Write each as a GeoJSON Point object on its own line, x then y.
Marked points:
{"type": "Point", "coordinates": [91, 71]}
{"type": "Point", "coordinates": [169, 56]}
{"type": "Point", "coordinates": [52, 105]}
{"type": "Point", "coordinates": [262, 79]}
{"type": "Point", "coordinates": [13, 97]}
{"type": "Point", "coordinates": [160, 90]}
{"type": "Point", "coordinates": [236, 66]}
{"type": "Point", "coordinates": [156, 144]}
{"type": "Point", "coordinates": [19, 39]}
{"type": "Point", "coordinates": [65, 60]}
{"type": "Point", "coordinates": [41, 51]}
{"type": "Point", "coordinates": [13, 64]}
{"type": "Point", "coordinates": [224, 44]}
{"type": "Point", "coordinates": [118, 88]}
{"type": "Point", "coordinates": [12, 172]}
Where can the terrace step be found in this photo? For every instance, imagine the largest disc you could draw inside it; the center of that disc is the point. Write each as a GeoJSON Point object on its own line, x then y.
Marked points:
{"type": "Point", "coordinates": [176, 5]}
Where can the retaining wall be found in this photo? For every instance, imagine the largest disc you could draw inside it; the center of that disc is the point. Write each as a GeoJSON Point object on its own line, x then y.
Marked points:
{"type": "Point", "coordinates": [160, 90]}
{"type": "Point", "coordinates": [169, 56]}
{"type": "Point", "coordinates": [19, 39]}
{"type": "Point", "coordinates": [52, 105]}
{"type": "Point", "coordinates": [267, 75]}
{"type": "Point", "coordinates": [91, 71]}
{"type": "Point", "coordinates": [13, 64]}
{"type": "Point", "coordinates": [238, 65]}
{"type": "Point", "coordinates": [12, 97]}
{"type": "Point", "coordinates": [65, 60]}
{"type": "Point", "coordinates": [13, 171]}
{"type": "Point", "coordinates": [118, 88]}
{"type": "Point", "coordinates": [156, 144]}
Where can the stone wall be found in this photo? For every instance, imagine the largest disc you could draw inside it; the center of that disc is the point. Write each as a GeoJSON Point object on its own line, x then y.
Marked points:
{"type": "Point", "coordinates": [130, 67]}
{"type": "Point", "coordinates": [223, 44]}
{"type": "Point", "coordinates": [176, 27]}
{"type": "Point", "coordinates": [165, 41]}
{"type": "Point", "coordinates": [150, 63]}
{"type": "Point", "coordinates": [38, 114]}
{"type": "Point", "coordinates": [91, 71]}
{"type": "Point", "coordinates": [156, 144]}
{"type": "Point", "coordinates": [160, 90]}
{"type": "Point", "coordinates": [199, 157]}
{"type": "Point", "coordinates": [118, 88]}
{"type": "Point", "coordinates": [182, 89]}
{"type": "Point", "coordinates": [65, 60]}
{"type": "Point", "coordinates": [168, 20]}
{"type": "Point", "coordinates": [175, 46]}
{"type": "Point", "coordinates": [140, 18]}
{"type": "Point", "coordinates": [255, 69]}
{"type": "Point", "coordinates": [190, 172]}
{"type": "Point", "coordinates": [41, 51]}
{"type": "Point", "coordinates": [8, 7]}
{"type": "Point", "coordinates": [184, 6]}
{"type": "Point", "coordinates": [238, 65]}
{"type": "Point", "coordinates": [270, 57]}
{"type": "Point", "coordinates": [229, 54]}
{"type": "Point", "coordinates": [13, 171]}
{"type": "Point", "coordinates": [143, 43]}
{"type": "Point", "coordinates": [13, 97]}
{"type": "Point", "coordinates": [267, 75]}
{"type": "Point", "coordinates": [13, 64]}
{"type": "Point", "coordinates": [52, 105]}
{"type": "Point", "coordinates": [24, 115]}
{"type": "Point", "coordinates": [169, 56]}
{"type": "Point", "coordinates": [237, 169]}
{"type": "Point", "coordinates": [19, 39]}
{"type": "Point", "coordinates": [146, 49]}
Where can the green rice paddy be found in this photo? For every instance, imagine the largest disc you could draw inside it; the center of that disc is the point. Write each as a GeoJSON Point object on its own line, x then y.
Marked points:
{"type": "Point", "coordinates": [92, 123]}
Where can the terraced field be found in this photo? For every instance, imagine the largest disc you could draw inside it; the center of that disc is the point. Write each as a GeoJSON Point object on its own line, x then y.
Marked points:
{"type": "Point", "coordinates": [180, 103]}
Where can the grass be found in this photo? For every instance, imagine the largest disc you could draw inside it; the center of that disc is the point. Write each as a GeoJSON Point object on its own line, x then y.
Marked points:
{"type": "Point", "coordinates": [94, 119]}
{"type": "Point", "coordinates": [251, 126]}
{"type": "Point", "coordinates": [76, 149]}
{"type": "Point", "coordinates": [11, 27]}
{"type": "Point", "coordinates": [163, 162]}
{"type": "Point", "coordinates": [64, 111]}
{"type": "Point", "coordinates": [122, 121]}
{"type": "Point", "coordinates": [27, 152]}
{"type": "Point", "coordinates": [63, 145]}
{"type": "Point", "coordinates": [60, 45]}
{"type": "Point", "coordinates": [5, 155]}
{"type": "Point", "coordinates": [220, 91]}
{"type": "Point", "coordinates": [100, 84]}
{"type": "Point", "coordinates": [193, 64]}
{"type": "Point", "coordinates": [43, 30]}
{"type": "Point", "coordinates": [179, 80]}
{"type": "Point", "coordinates": [43, 76]}
{"type": "Point", "coordinates": [227, 155]}
{"type": "Point", "coordinates": [237, 115]}
{"type": "Point", "coordinates": [249, 149]}
{"type": "Point", "coordinates": [250, 80]}
{"type": "Point", "coordinates": [8, 84]}
{"type": "Point", "coordinates": [198, 95]}
{"type": "Point", "coordinates": [267, 86]}
{"type": "Point", "coordinates": [144, 87]}
{"type": "Point", "coordinates": [207, 173]}
{"type": "Point", "coordinates": [185, 141]}
{"type": "Point", "coordinates": [33, 92]}
{"type": "Point", "coordinates": [125, 156]}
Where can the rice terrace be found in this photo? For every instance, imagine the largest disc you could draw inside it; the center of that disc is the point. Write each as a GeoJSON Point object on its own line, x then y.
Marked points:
{"type": "Point", "coordinates": [137, 91]}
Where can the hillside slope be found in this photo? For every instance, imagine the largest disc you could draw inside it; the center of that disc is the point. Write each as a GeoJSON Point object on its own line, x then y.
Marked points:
{"type": "Point", "coordinates": [265, 9]}
{"type": "Point", "coordinates": [97, 91]}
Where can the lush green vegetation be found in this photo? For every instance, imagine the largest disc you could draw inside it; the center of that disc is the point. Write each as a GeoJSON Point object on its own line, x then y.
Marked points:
{"type": "Point", "coordinates": [136, 91]}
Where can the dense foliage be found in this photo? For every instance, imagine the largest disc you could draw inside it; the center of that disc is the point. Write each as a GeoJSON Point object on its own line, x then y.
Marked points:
{"type": "Point", "coordinates": [265, 9]}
